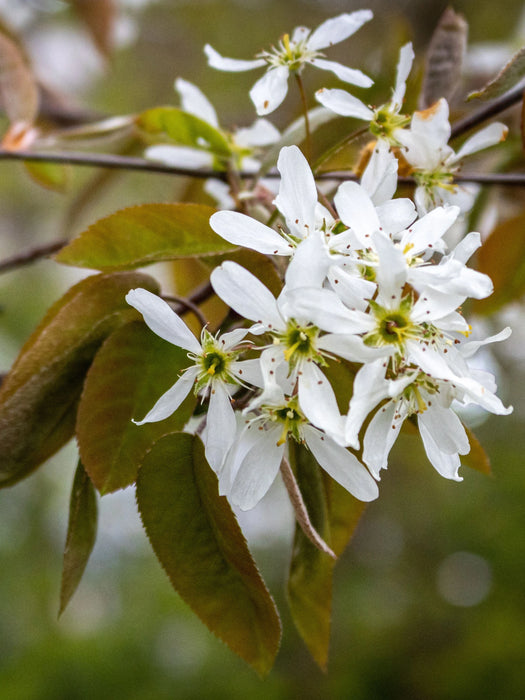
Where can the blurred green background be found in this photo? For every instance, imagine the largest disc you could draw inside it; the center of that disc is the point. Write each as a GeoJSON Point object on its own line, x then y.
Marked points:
{"type": "Point", "coordinates": [429, 600]}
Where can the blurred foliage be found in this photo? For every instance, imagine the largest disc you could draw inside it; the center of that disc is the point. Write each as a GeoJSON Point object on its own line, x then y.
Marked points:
{"type": "Point", "coordinates": [396, 631]}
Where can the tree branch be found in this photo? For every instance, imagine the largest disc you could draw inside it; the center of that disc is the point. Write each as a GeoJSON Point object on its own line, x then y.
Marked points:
{"type": "Point", "coordinates": [31, 255]}
{"type": "Point", "coordinates": [490, 110]}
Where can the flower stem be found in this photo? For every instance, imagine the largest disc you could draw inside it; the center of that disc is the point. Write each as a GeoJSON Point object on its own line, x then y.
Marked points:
{"type": "Point", "coordinates": [308, 136]}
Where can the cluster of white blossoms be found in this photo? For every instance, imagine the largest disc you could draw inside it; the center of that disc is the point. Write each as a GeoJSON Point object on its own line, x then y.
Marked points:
{"type": "Point", "coordinates": [371, 282]}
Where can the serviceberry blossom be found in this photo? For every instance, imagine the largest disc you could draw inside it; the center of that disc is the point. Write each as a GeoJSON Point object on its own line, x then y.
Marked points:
{"type": "Point", "coordinates": [291, 55]}
{"type": "Point", "coordinates": [242, 143]}
{"type": "Point", "coordinates": [433, 162]}
{"type": "Point", "coordinates": [214, 372]}
{"type": "Point", "coordinates": [385, 121]}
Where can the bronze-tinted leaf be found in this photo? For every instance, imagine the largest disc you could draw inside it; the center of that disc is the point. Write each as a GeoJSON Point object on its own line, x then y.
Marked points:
{"type": "Point", "coordinates": [81, 534]}
{"type": "Point", "coordinates": [39, 395]}
{"type": "Point", "coordinates": [18, 88]}
{"type": "Point", "coordinates": [477, 458]}
{"type": "Point", "coordinates": [197, 540]}
{"type": "Point", "coordinates": [145, 234]}
{"type": "Point", "coordinates": [444, 59]}
{"type": "Point", "coordinates": [52, 176]}
{"type": "Point", "coordinates": [508, 77]}
{"type": "Point", "coordinates": [99, 16]}
{"type": "Point", "coordinates": [502, 258]}
{"type": "Point", "coordinates": [132, 369]}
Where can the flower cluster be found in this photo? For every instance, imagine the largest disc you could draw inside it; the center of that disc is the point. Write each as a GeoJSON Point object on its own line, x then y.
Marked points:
{"type": "Point", "coordinates": [370, 280]}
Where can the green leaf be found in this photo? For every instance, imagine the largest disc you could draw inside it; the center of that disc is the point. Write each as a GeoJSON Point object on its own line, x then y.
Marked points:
{"type": "Point", "coordinates": [81, 534]}
{"type": "Point", "coordinates": [53, 176]}
{"type": "Point", "coordinates": [344, 513]}
{"type": "Point", "coordinates": [182, 128]}
{"type": "Point", "coordinates": [145, 234]}
{"type": "Point", "coordinates": [258, 264]}
{"type": "Point", "coordinates": [197, 540]}
{"type": "Point", "coordinates": [39, 395]}
{"type": "Point", "coordinates": [309, 588]}
{"type": "Point", "coordinates": [477, 458]}
{"type": "Point", "coordinates": [502, 258]}
{"type": "Point", "coordinates": [132, 369]}
{"type": "Point", "coordinates": [508, 77]}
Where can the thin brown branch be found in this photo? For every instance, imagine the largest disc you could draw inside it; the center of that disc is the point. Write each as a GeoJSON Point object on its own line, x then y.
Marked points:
{"type": "Point", "coordinates": [31, 255]}
{"type": "Point", "coordinates": [187, 305]}
{"type": "Point", "coordinates": [486, 112]}
{"type": "Point", "coordinates": [299, 507]}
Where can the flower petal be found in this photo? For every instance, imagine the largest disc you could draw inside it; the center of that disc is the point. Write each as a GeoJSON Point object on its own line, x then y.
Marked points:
{"type": "Point", "coordinates": [318, 403]}
{"type": "Point", "coordinates": [246, 231]}
{"type": "Point", "coordinates": [194, 101]}
{"type": "Point", "coordinates": [179, 156]}
{"type": "Point", "coordinates": [297, 198]}
{"type": "Point", "coordinates": [220, 426]}
{"type": "Point", "coordinates": [260, 133]}
{"type": "Point", "coordinates": [341, 465]}
{"type": "Point", "coordinates": [357, 210]}
{"type": "Point", "coordinates": [370, 387]}
{"type": "Point", "coordinates": [380, 436]}
{"type": "Point", "coordinates": [489, 136]}
{"type": "Point", "coordinates": [348, 75]}
{"type": "Point", "coordinates": [172, 399]}
{"type": "Point", "coordinates": [341, 102]}
{"type": "Point", "coordinates": [162, 320]}
{"type": "Point", "coordinates": [337, 29]}
{"type": "Point", "coordinates": [215, 60]}
{"type": "Point", "coordinates": [406, 58]}
{"type": "Point", "coordinates": [246, 295]}
{"type": "Point", "coordinates": [270, 90]}
{"type": "Point", "coordinates": [445, 464]}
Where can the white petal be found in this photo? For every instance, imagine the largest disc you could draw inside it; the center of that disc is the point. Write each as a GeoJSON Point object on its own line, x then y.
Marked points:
{"type": "Point", "coordinates": [356, 210]}
{"type": "Point", "coordinates": [258, 469]}
{"type": "Point", "coordinates": [318, 403]}
{"type": "Point", "coordinates": [246, 231]}
{"type": "Point", "coordinates": [172, 399]}
{"type": "Point", "coordinates": [470, 348]}
{"type": "Point", "coordinates": [434, 304]}
{"type": "Point", "coordinates": [396, 214]}
{"type": "Point", "coordinates": [354, 292]}
{"type": "Point", "coordinates": [260, 133]}
{"type": "Point", "coordinates": [350, 347]}
{"type": "Point", "coordinates": [406, 58]}
{"type": "Point", "coordinates": [309, 265]}
{"type": "Point", "coordinates": [194, 101]}
{"type": "Point", "coordinates": [370, 387]}
{"type": "Point", "coordinates": [380, 177]}
{"type": "Point", "coordinates": [489, 136]}
{"type": "Point", "coordinates": [380, 436]}
{"type": "Point", "coordinates": [430, 229]}
{"type": "Point", "coordinates": [220, 426]}
{"type": "Point", "coordinates": [162, 320]}
{"type": "Point", "coordinates": [337, 29]}
{"type": "Point", "coordinates": [297, 198]}
{"type": "Point", "coordinates": [325, 310]}
{"type": "Point", "coordinates": [341, 102]}
{"type": "Point", "coordinates": [220, 192]}
{"type": "Point", "coordinates": [445, 428]}
{"type": "Point", "coordinates": [179, 156]}
{"type": "Point", "coordinates": [341, 465]}
{"type": "Point", "coordinates": [248, 371]}
{"type": "Point", "coordinates": [348, 75]}
{"type": "Point", "coordinates": [215, 60]}
{"type": "Point", "coordinates": [246, 295]}
{"type": "Point", "coordinates": [392, 271]}
{"type": "Point", "coordinates": [300, 34]}
{"type": "Point", "coordinates": [467, 247]}
{"type": "Point", "coordinates": [445, 464]}
{"type": "Point", "coordinates": [270, 90]}
{"type": "Point", "coordinates": [428, 137]}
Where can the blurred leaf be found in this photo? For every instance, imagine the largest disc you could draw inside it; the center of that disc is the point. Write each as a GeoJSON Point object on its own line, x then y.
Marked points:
{"type": "Point", "coordinates": [38, 397]}
{"type": "Point", "coordinates": [340, 373]}
{"type": "Point", "coordinates": [184, 129]}
{"type": "Point", "coordinates": [511, 74]}
{"type": "Point", "coordinates": [145, 234]}
{"type": "Point", "coordinates": [344, 513]}
{"type": "Point", "coordinates": [258, 264]}
{"type": "Point", "coordinates": [132, 369]}
{"type": "Point", "coordinates": [444, 58]}
{"type": "Point", "coordinates": [99, 16]}
{"type": "Point", "coordinates": [309, 588]}
{"type": "Point", "coordinates": [81, 534]}
{"type": "Point", "coordinates": [502, 257]}
{"type": "Point", "coordinates": [477, 458]}
{"type": "Point", "coordinates": [53, 176]}
{"type": "Point", "coordinates": [197, 540]}
{"type": "Point", "coordinates": [18, 88]}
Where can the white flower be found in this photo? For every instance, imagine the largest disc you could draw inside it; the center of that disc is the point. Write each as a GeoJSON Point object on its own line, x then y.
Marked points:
{"type": "Point", "coordinates": [434, 162]}
{"type": "Point", "coordinates": [292, 54]}
{"type": "Point", "coordinates": [385, 121]}
{"type": "Point", "coordinates": [214, 371]}
{"type": "Point", "coordinates": [243, 143]}
{"type": "Point", "coordinates": [254, 460]}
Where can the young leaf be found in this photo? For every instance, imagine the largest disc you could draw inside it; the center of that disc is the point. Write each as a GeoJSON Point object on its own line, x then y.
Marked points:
{"type": "Point", "coordinates": [309, 588]}
{"type": "Point", "coordinates": [477, 458]}
{"type": "Point", "coordinates": [173, 125]}
{"type": "Point", "coordinates": [444, 58]}
{"type": "Point", "coordinates": [99, 17]}
{"type": "Point", "coordinates": [197, 540]}
{"type": "Point", "coordinates": [344, 513]}
{"type": "Point", "coordinates": [509, 76]}
{"type": "Point", "coordinates": [502, 257]}
{"type": "Point", "coordinates": [132, 369]}
{"type": "Point", "coordinates": [39, 395]}
{"type": "Point", "coordinates": [52, 176]}
{"type": "Point", "coordinates": [81, 534]}
{"type": "Point", "coordinates": [145, 234]}
{"type": "Point", "coordinates": [18, 89]}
